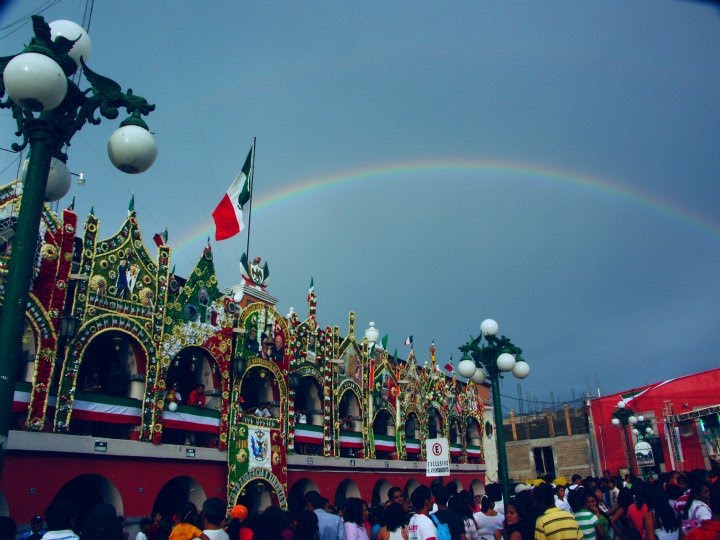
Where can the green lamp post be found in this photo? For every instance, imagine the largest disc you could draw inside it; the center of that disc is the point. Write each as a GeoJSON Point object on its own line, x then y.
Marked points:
{"type": "Point", "coordinates": [623, 417]}
{"type": "Point", "coordinates": [491, 360]}
{"type": "Point", "coordinates": [49, 108]}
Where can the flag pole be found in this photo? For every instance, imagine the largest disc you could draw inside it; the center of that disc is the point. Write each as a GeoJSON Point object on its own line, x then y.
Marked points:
{"type": "Point", "coordinates": [251, 181]}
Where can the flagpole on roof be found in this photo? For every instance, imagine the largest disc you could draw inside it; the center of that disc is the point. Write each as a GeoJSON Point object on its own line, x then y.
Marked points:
{"type": "Point", "coordinates": [250, 184]}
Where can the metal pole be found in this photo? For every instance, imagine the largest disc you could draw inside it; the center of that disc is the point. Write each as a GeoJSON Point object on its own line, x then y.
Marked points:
{"type": "Point", "coordinates": [500, 438]}
{"type": "Point", "coordinates": [629, 450]}
{"type": "Point", "coordinates": [17, 283]}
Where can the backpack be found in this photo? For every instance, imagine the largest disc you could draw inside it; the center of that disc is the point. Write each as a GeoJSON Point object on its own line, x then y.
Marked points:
{"type": "Point", "coordinates": [443, 531]}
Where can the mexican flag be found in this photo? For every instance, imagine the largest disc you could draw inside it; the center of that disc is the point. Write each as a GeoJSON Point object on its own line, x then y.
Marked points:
{"type": "Point", "coordinates": [228, 215]}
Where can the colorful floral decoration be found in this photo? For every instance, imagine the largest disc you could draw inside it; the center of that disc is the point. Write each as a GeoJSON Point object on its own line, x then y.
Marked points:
{"type": "Point", "coordinates": [55, 268]}
{"type": "Point", "coordinates": [196, 316]}
{"type": "Point", "coordinates": [113, 271]}
{"type": "Point", "coordinates": [265, 349]}
{"type": "Point", "coordinates": [48, 294]}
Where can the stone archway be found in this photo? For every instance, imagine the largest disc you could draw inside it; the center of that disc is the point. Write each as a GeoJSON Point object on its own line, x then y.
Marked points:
{"type": "Point", "coordinates": [86, 490]}
{"type": "Point", "coordinates": [477, 488]}
{"type": "Point", "coordinates": [380, 493]}
{"type": "Point", "coordinates": [345, 490]}
{"type": "Point", "coordinates": [296, 495]}
{"type": "Point", "coordinates": [177, 490]}
{"type": "Point", "coordinates": [411, 486]}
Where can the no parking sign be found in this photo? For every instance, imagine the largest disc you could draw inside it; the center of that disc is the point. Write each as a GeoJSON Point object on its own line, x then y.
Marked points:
{"type": "Point", "coordinates": [437, 452]}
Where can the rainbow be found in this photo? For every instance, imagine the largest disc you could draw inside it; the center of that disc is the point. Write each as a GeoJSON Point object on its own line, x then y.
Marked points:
{"type": "Point", "coordinates": [508, 170]}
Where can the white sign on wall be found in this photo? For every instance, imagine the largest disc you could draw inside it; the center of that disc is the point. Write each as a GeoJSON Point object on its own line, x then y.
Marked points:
{"type": "Point", "coordinates": [437, 456]}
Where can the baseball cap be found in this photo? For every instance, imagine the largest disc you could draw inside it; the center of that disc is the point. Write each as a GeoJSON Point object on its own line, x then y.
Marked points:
{"type": "Point", "coordinates": [239, 512]}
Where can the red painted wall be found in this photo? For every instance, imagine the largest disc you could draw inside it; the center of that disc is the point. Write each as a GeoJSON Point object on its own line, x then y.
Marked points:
{"type": "Point", "coordinates": [31, 481]}
{"type": "Point", "coordinates": [685, 393]}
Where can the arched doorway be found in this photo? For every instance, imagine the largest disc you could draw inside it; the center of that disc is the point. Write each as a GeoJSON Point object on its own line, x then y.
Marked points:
{"type": "Point", "coordinates": [308, 399]}
{"type": "Point", "coordinates": [351, 444]}
{"type": "Point", "coordinates": [89, 489]}
{"type": "Point", "coordinates": [308, 417]}
{"type": "Point", "coordinates": [435, 425]}
{"type": "Point", "coordinates": [412, 437]}
{"type": "Point", "coordinates": [259, 386]}
{"type": "Point", "coordinates": [456, 434]}
{"type": "Point", "coordinates": [410, 487]}
{"type": "Point", "coordinates": [345, 490]}
{"type": "Point", "coordinates": [113, 366]}
{"type": "Point", "coordinates": [384, 431]}
{"type": "Point", "coordinates": [296, 495]}
{"type": "Point", "coordinates": [177, 490]}
{"type": "Point", "coordinates": [380, 492]}
{"type": "Point", "coordinates": [192, 366]}
{"type": "Point", "coordinates": [473, 439]}
{"type": "Point", "coordinates": [257, 495]}
{"type": "Point", "coordinates": [112, 361]}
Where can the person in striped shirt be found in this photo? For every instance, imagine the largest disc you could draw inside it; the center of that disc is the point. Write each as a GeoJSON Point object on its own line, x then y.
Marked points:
{"type": "Point", "coordinates": [553, 523]}
{"type": "Point", "coordinates": [587, 520]}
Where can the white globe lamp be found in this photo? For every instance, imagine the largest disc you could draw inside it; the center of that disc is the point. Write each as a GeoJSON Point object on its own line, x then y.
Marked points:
{"type": "Point", "coordinates": [172, 406]}
{"type": "Point", "coordinates": [489, 327]}
{"type": "Point", "coordinates": [636, 431]}
{"type": "Point", "coordinates": [615, 421]}
{"type": "Point", "coordinates": [649, 430]}
{"type": "Point", "coordinates": [521, 369]}
{"type": "Point", "coordinates": [466, 368]}
{"type": "Point", "coordinates": [479, 376]}
{"type": "Point", "coordinates": [35, 82]}
{"type": "Point", "coordinates": [132, 149]}
{"type": "Point", "coordinates": [74, 32]}
{"type": "Point", "coordinates": [621, 404]}
{"type": "Point", "coordinates": [505, 362]}
{"type": "Point", "coordinates": [632, 420]}
{"type": "Point", "coordinates": [59, 179]}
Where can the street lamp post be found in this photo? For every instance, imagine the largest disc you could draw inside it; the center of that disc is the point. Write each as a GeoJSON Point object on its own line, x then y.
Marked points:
{"type": "Point", "coordinates": [490, 360]}
{"type": "Point", "coordinates": [623, 417]}
{"type": "Point", "coordinates": [49, 108]}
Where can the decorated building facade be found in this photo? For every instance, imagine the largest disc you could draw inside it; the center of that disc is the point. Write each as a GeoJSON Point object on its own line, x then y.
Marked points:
{"type": "Point", "coordinates": [140, 388]}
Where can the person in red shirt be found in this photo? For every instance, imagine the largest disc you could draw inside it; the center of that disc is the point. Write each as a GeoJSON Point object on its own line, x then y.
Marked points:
{"type": "Point", "coordinates": [197, 397]}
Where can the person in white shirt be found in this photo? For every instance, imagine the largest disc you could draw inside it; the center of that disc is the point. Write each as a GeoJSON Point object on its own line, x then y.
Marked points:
{"type": "Point", "coordinates": [421, 527]}
{"type": "Point", "coordinates": [60, 517]}
{"type": "Point", "coordinates": [561, 501]}
{"type": "Point", "coordinates": [213, 511]}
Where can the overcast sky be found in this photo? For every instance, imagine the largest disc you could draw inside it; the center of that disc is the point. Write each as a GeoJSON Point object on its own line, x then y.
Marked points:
{"type": "Point", "coordinates": [551, 165]}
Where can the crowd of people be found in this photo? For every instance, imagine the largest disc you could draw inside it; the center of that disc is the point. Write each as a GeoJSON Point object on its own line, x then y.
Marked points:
{"type": "Point", "coordinates": [672, 507]}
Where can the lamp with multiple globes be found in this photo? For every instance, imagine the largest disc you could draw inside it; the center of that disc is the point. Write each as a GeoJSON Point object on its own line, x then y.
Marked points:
{"type": "Point", "coordinates": [489, 361]}
{"type": "Point", "coordinates": [624, 418]}
{"type": "Point", "coordinates": [49, 109]}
